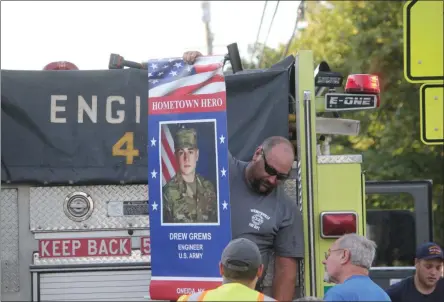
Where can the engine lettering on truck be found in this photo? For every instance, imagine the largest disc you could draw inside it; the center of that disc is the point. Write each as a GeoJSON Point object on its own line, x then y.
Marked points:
{"type": "Point", "coordinates": [84, 247]}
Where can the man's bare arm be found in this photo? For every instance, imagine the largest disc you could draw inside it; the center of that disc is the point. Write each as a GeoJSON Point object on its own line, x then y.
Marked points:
{"type": "Point", "coordinates": [284, 279]}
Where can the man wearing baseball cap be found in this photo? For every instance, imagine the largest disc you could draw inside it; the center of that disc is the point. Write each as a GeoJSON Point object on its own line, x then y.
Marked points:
{"type": "Point", "coordinates": [427, 284]}
{"type": "Point", "coordinates": [241, 267]}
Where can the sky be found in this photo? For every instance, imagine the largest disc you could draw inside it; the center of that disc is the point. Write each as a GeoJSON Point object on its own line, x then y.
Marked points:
{"type": "Point", "coordinates": [35, 33]}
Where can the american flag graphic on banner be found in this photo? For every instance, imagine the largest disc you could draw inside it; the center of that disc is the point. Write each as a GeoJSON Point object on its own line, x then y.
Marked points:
{"type": "Point", "coordinates": [169, 164]}
{"type": "Point", "coordinates": [170, 77]}
{"type": "Point", "coordinates": [174, 77]}
{"type": "Point", "coordinates": [180, 94]}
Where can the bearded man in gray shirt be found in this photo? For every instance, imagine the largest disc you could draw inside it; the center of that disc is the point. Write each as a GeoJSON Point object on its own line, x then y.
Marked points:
{"type": "Point", "coordinates": [262, 211]}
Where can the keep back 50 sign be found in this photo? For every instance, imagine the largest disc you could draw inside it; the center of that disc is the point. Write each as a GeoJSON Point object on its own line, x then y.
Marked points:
{"type": "Point", "coordinates": [91, 247]}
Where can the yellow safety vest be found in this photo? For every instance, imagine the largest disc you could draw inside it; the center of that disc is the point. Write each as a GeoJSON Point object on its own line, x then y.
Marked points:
{"type": "Point", "coordinates": [227, 292]}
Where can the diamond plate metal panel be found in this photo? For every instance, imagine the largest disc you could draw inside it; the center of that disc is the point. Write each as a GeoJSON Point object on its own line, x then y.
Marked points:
{"type": "Point", "coordinates": [136, 257]}
{"type": "Point", "coordinates": [290, 189]}
{"type": "Point", "coordinates": [9, 240]}
{"type": "Point", "coordinates": [339, 159]}
{"type": "Point", "coordinates": [290, 184]}
{"type": "Point", "coordinates": [47, 208]}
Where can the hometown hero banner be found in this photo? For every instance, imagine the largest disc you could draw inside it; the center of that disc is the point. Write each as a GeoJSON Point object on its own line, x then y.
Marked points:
{"type": "Point", "coordinates": [187, 175]}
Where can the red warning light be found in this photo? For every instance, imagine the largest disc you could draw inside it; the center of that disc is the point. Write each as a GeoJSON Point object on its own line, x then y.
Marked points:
{"type": "Point", "coordinates": [362, 83]}
{"type": "Point", "coordinates": [336, 224]}
{"type": "Point", "coordinates": [61, 65]}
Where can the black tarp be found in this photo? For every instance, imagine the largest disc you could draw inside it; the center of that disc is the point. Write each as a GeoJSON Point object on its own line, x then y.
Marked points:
{"type": "Point", "coordinates": [38, 150]}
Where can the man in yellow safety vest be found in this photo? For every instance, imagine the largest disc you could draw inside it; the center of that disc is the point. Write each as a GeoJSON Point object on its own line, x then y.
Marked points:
{"type": "Point", "coordinates": [240, 267]}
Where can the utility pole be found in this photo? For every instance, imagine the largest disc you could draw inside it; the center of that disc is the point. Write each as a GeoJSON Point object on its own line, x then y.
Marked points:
{"type": "Point", "coordinates": [206, 18]}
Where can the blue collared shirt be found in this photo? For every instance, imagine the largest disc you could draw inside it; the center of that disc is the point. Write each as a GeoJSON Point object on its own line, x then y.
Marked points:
{"type": "Point", "coordinates": [357, 288]}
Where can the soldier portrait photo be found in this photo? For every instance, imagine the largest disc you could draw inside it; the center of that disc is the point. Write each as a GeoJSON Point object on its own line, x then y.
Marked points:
{"type": "Point", "coordinates": [188, 197]}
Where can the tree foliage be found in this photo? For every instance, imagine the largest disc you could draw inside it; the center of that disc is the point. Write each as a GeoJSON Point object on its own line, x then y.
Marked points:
{"type": "Point", "coordinates": [367, 37]}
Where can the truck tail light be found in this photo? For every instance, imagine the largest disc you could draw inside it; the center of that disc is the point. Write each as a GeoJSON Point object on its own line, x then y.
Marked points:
{"type": "Point", "coordinates": [363, 84]}
{"type": "Point", "coordinates": [336, 224]}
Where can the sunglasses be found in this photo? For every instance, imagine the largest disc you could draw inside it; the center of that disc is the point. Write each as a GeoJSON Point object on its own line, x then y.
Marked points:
{"type": "Point", "coordinates": [272, 171]}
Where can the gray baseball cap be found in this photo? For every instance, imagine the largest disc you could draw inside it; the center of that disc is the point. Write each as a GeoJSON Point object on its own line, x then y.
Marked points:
{"type": "Point", "coordinates": [241, 255]}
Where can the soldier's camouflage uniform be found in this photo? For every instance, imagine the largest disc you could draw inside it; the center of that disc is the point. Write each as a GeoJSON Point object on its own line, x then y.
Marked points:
{"type": "Point", "coordinates": [188, 203]}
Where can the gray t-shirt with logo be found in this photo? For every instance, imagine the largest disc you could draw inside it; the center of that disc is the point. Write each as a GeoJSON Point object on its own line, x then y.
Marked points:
{"type": "Point", "coordinates": [273, 222]}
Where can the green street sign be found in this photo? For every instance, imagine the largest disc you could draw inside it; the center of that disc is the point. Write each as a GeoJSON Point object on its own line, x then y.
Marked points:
{"type": "Point", "coordinates": [423, 41]}
{"type": "Point", "coordinates": [432, 114]}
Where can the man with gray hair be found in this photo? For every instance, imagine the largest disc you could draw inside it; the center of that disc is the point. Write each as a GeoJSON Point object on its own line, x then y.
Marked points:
{"type": "Point", "coordinates": [347, 264]}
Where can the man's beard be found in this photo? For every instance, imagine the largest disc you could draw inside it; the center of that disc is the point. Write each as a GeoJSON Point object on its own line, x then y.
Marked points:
{"type": "Point", "coordinates": [327, 277]}
{"type": "Point", "coordinates": [256, 186]}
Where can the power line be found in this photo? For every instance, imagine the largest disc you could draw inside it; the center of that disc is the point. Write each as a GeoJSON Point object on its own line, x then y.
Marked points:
{"type": "Point", "coordinates": [299, 12]}
{"type": "Point", "coordinates": [268, 33]}
{"type": "Point", "coordinates": [258, 31]}
{"type": "Point", "coordinates": [271, 23]}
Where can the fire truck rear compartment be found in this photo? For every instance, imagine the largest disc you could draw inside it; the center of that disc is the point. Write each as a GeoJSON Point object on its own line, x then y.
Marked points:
{"type": "Point", "coordinates": [86, 283]}
{"type": "Point", "coordinates": [39, 213]}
